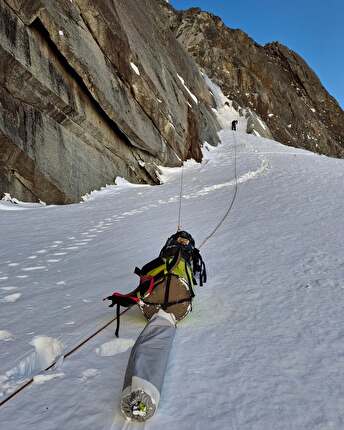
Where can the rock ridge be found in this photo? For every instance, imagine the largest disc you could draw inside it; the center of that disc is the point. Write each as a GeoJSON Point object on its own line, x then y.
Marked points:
{"type": "Point", "coordinates": [272, 80]}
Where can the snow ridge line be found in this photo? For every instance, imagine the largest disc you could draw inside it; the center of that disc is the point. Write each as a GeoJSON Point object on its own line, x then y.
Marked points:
{"type": "Point", "coordinates": [69, 353]}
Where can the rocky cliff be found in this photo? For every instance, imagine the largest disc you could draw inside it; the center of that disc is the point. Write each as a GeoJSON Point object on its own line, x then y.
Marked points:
{"type": "Point", "coordinates": [272, 80]}
{"type": "Point", "coordinates": [91, 90]}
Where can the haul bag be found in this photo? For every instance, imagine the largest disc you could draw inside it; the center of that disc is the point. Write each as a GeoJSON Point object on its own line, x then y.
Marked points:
{"type": "Point", "coordinates": [146, 368]}
{"type": "Point", "coordinates": [172, 294]}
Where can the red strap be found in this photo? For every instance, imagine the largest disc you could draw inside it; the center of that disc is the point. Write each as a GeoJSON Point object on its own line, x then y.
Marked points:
{"type": "Point", "coordinates": [151, 283]}
{"type": "Point", "coordinates": [135, 299]}
{"type": "Point", "coordinates": [142, 279]}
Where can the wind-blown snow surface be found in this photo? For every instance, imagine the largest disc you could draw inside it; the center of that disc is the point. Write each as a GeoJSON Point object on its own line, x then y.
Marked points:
{"type": "Point", "coordinates": [263, 348]}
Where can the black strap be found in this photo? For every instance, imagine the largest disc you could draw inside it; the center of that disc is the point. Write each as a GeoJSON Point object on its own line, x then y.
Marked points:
{"type": "Point", "coordinates": [151, 265]}
{"type": "Point", "coordinates": [204, 273]}
{"type": "Point", "coordinates": [200, 268]}
{"type": "Point", "coordinates": [167, 292]}
{"type": "Point", "coordinates": [170, 265]}
{"type": "Point", "coordinates": [118, 315]}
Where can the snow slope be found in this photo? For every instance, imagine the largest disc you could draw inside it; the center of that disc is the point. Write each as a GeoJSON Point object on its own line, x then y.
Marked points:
{"type": "Point", "coordinates": [263, 348]}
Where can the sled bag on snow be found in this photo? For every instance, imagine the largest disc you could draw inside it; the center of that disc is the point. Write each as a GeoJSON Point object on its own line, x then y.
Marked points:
{"type": "Point", "coordinates": [173, 287]}
{"type": "Point", "coordinates": [146, 368]}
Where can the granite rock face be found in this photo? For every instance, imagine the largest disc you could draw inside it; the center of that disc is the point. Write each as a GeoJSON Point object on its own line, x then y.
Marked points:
{"type": "Point", "coordinates": [271, 80]}
{"type": "Point", "coordinates": [91, 90]}
{"type": "Point", "coordinates": [256, 126]}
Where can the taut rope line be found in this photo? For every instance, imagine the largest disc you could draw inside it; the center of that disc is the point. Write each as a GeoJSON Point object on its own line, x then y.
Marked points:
{"type": "Point", "coordinates": [179, 226]}
{"type": "Point", "coordinates": [222, 220]}
{"type": "Point", "coordinates": [70, 352]}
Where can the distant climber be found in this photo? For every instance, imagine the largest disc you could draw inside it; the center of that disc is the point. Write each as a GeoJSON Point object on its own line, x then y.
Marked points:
{"type": "Point", "coordinates": [168, 281]}
{"type": "Point", "coordinates": [234, 124]}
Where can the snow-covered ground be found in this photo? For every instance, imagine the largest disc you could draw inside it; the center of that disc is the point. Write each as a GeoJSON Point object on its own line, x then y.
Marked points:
{"type": "Point", "coordinates": [263, 348]}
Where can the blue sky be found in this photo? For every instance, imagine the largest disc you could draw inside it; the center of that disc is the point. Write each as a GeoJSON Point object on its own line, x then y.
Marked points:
{"type": "Point", "coordinates": [312, 28]}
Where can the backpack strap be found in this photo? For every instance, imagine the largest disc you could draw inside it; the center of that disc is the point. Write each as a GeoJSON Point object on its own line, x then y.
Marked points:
{"type": "Point", "coordinates": [149, 266]}
{"type": "Point", "coordinates": [203, 274]}
{"type": "Point", "coordinates": [189, 280]}
{"type": "Point", "coordinates": [170, 264]}
{"type": "Point", "coordinates": [118, 316]}
{"type": "Point", "coordinates": [125, 300]}
{"type": "Point", "coordinates": [167, 292]}
{"type": "Point", "coordinates": [199, 267]}
{"type": "Point", "coordinates": [145, 288]}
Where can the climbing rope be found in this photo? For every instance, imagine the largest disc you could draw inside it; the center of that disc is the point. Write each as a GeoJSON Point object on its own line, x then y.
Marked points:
{"type": "Point", "coordinates": [179, 225]}
{"type": "Point", "coordinates": [83, 342]}
{"type": "Point", "coordinates": [222, 220]}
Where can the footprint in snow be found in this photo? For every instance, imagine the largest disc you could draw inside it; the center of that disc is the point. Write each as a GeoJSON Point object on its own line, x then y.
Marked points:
{"type": "Point", "coordinates": [41, 379]}
{"type": "Point", "coordinates": [12, 298]}
{"type": "Point", "coordinates": [46, 351]}
{"type": "Point", "coordinates": [29, 269]}
{"type": "Point", "coordinates": [6, 336]}
{"type": "Point", "coordinates": [88, 374]}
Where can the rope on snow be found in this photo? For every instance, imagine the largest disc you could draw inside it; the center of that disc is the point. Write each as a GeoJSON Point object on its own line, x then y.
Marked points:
{"type": "Point", "coordinates": [70, 352]}
{"type": "Point", "coordinates": [222, 220]}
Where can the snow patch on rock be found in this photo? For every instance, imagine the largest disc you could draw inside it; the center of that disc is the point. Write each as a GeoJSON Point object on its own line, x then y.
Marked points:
{"type": "Point", "coordinates": [135, 68]}
{"type": "Point", "coordinates": [194, 98]}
